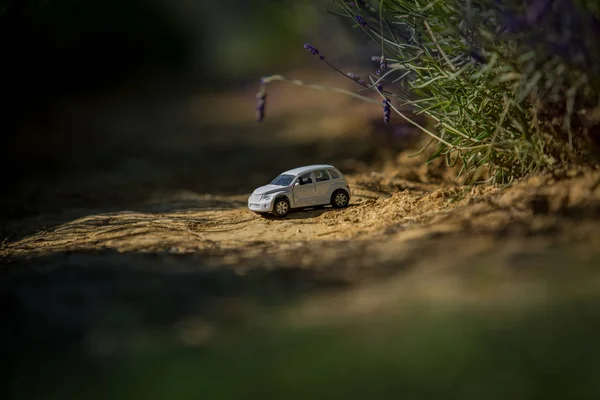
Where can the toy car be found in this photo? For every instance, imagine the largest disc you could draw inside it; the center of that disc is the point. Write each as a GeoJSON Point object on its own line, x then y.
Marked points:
{"type": "Point", "coordinates": [303, 187]}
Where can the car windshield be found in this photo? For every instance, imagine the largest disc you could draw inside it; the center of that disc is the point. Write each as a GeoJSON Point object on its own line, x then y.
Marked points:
{"type": "Point", "coordinates": [283, 180]}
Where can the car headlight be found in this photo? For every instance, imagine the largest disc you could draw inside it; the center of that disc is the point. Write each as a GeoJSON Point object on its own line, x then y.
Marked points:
{"type": "Point", "coordinates": [266, 197]}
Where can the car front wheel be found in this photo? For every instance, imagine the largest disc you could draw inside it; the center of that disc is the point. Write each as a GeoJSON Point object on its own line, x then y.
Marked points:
{"type": "Point", "coordinates": [339, 199]}
{"type": "Point", "coordinates": [281, 207]}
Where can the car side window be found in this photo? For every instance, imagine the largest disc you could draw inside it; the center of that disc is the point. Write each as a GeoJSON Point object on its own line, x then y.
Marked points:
{"type": "Point", "coordinates": [305, 179]}
{"type": "Point", "coordinates": [321, 175]}
{"type": "Point", "coordinates": [334, 175]}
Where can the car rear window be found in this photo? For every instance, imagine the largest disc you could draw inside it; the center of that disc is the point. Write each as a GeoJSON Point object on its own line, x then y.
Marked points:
{"type": "Point", "coordinates": [334, 175]}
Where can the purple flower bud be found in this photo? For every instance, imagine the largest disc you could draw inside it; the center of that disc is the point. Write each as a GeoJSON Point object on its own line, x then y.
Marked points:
{"type": "Point", "coordinates": [379, 87]}
{"type": "Point", "coordinates": [314, 51]}
{"type": "Point", "coordinates": [355, 78]}
{"type": "Point", "coordinates": [386, 111]}
{"type": "Point", "coordinates": [378, 72]}
{"type": "Point", "coordinates": [261, 98]}
{"type": "Point", "coordinates": [382, 64]}
{"type": "Point", "coordinates": [361, 21]}
{"type": "Point", "coordinates": [310, 48]}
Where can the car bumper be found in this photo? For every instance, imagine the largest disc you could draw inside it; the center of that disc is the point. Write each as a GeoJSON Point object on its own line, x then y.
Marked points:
{"type": "Point", "coordinates": [260, 206]}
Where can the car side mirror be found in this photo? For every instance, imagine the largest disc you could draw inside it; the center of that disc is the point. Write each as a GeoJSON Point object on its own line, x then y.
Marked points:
{"type": "Point", "coordinates": [297, 183]}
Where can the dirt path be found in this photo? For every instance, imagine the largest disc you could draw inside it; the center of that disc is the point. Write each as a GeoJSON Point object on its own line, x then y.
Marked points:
{"type": "Point", "coordinates": [384, 220]}
{"type": "Point", "coordinates": [167, 178]}
{"type": "Point", "coordinates": [133, 241]}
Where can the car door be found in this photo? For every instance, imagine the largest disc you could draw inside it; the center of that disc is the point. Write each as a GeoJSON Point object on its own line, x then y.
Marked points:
{"type": "Point", "coordinates": [304, 190]}
{"type": "Point", "coordinates": [322, 185]}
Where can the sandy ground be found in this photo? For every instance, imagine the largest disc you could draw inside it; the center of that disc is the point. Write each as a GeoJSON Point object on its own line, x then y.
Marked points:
{"type": "Point", "coordinates": [145, 216]}
{"type": "Point", "coordinates": [169, 175]}
{"type": "Point", "coordinates": [390, 218]}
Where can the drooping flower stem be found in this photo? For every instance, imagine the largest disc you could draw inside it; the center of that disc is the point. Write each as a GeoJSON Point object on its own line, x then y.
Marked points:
{"type": "Point", "coordinates": [273, 78]}
{"type": "Point", "coordinates": [315, 52]}
{"type": "Point", "coordinates": [297, 82]}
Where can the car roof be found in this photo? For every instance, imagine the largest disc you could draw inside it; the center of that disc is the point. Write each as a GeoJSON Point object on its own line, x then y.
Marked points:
{"type": "Point", "coordinates": [306, 168]}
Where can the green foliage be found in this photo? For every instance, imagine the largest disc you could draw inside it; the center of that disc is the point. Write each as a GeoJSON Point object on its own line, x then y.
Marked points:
{"type": "Point", "coordinates": [503, 80]}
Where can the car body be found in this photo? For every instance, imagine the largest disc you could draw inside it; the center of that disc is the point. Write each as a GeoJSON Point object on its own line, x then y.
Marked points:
{"type": "Point", "coordinates": [302, 187]}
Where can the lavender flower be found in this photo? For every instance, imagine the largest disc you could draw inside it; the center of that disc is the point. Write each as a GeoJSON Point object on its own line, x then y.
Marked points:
{"type": "Point", "coordinates": [355, 78]}
{"type": "Point", "coordinates": [386, 111]}
{"type": "Point", "coordinates": [314, 51]}
{"type": "Point", "coordinates": [310, 48]}
{"type": "Point", "coordinates": [261, 98]}
{"type": "Point", "coordinates": [380, 87]}
{"type": "Point", "coordinates": [382, 63]}
{"type": "Point", "coordinates": [361, 21]}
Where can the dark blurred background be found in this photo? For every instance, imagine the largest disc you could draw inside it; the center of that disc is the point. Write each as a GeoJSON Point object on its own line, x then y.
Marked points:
{"type": "Point", "coordinates": [55, 48]}
{"type": "Point", "coordinates": [106, 102]}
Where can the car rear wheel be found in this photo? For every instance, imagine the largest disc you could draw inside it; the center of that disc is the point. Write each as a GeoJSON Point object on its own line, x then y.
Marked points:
{"type": "Point", "coordinates": [281, 207]}
{"type": "Point", "coordinates": [339, 199]}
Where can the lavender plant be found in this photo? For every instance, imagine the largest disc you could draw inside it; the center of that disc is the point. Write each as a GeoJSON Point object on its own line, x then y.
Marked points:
{"type": "Point", "coordinates": [505, 82]}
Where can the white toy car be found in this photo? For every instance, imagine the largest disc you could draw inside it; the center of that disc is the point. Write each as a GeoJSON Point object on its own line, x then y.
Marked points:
{"type": "Point", "coordinates": [309, 186]}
